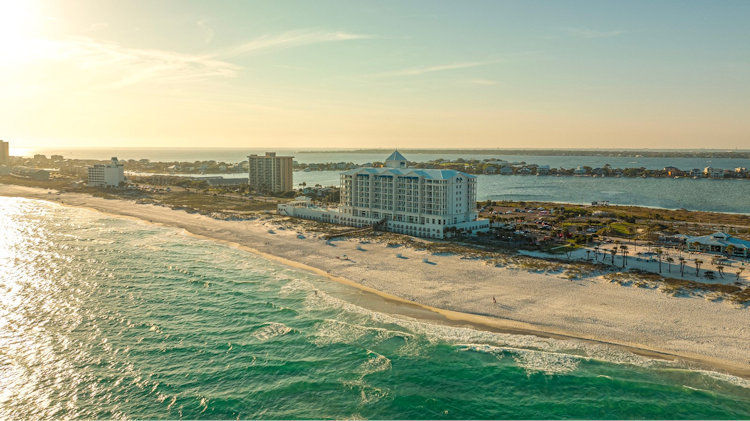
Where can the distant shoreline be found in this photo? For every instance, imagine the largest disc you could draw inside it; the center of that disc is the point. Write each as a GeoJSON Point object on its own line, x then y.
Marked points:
{"type": "Point", "coordinates": [635, 153]}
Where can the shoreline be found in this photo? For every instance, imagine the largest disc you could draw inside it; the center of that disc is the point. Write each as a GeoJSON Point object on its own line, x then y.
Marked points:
{"type": "Point", "coordinates": [222, 231]}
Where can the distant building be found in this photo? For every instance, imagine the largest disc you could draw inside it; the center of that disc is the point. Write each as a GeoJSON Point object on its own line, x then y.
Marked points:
{"type": "Point", "coordinates": [713, 172]}
{"type": "Point", "coordinates": [673, 171]}
{"type": "Point", "coordinates": [56, 158]}
{"type": "Point", "coordinates": [270, 172]}
{"type": "Point", "coordinates": [696, 172]}
{"type": "Point", "coordinates": [579, 171]}
{"type": "Point", "coordinates": [542, 170]}
{"type": "Point", "coordinates": [4, 153]}
{"type": "Point", "coordinates": [718, 242]}
{"type": "Point", "coordinates": [107, 175]}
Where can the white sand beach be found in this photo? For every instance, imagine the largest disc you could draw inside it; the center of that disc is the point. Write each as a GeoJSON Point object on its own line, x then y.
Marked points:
{"type": "Point", "coordinates": [715, 332]}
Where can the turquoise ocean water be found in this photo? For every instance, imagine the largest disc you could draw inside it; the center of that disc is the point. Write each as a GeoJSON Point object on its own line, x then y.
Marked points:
{"type": "Point", "coordinates": [104, 317]}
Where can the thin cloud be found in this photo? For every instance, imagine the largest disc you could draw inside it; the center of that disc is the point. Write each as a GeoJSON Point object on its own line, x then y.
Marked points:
{"type": "Point", "coordinates": [592, 33]}
{"type": "Point", "coordinates": [117, 66]}
{"type": "Point", "coordinates": [416, 71]}
{"type": "Point", "coordinates": [288, 39]}
{"type": "Point", "coordinates": [208, 32]}
{"type": "Point", "coordinates": [139, 65]}
{"type": "Point", "coordinates": [484, 82]}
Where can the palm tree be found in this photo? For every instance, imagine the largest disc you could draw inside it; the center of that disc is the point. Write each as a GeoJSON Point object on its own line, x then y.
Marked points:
{"type": "Point", "coordinates": [625, 252]}
{"type": "Point", "coordinates": [596, 253]}
{"type": "Point", "coordinates": [588, 252]}
{"type": "Point", "coordinates": [682, 266]}
{"type": "Point", "coordinates": [729, 250]}
{"type": "Point", "coordinates": [614, 252]}
{"type": "Point", "coordinates": [659, 252]}
{"type": "Point", "coordinates": [670, 260]}
{"type": "Point", "coordinates": [698, 263]}
{"type": "Point", "coordinates": [720, 269]}
{"type": "Point", "coordinates": [739, 272]}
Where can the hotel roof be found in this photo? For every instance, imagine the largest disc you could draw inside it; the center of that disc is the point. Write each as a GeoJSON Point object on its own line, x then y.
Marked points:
{"type": "Point", "coordinates": [719, 239]}
{"type": "Point", "coordinates": [396, 156]}
{"type": "Point", "coordinates": [430, 174]}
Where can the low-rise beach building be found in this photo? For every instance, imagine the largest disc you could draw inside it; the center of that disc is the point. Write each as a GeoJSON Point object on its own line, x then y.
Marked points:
{"type": "Point", "coordinates": [673, 171]}
{"type": "Point", "coordinates": [713, 172]}
{"type": "Point", "coordinates": [719, 242]}
{"type": "Point", "coordinates": [106, 175]}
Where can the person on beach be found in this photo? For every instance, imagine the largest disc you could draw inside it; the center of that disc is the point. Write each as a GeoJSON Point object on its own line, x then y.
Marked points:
{"type": "Point", "coordinates": [494, 301]}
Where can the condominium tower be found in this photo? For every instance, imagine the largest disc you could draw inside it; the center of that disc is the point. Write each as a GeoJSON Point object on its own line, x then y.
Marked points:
{"type": "Point", "coordinates": [107, 175]}
{"type": "Point", "coordinates": [270, 173]}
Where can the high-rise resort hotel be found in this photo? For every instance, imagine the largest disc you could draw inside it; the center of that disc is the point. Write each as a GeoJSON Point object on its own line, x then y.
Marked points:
{"type": "Point", "coordinates": [421, 202]}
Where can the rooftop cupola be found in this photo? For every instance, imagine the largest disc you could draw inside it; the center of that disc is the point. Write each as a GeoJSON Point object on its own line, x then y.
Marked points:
{"type": "Point", "coordinates": [396, 160]}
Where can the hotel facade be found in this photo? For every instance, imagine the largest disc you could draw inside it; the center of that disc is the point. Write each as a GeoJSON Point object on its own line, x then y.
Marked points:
{"type": "Point", "coordinates": [107, 175]}
{"type": "Point", "coordinates": [429, 203]}
{"type": "Point", "coordinates": [270, 173]}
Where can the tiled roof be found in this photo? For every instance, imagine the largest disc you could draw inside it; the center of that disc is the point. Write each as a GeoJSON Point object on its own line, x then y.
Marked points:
{"type": "Point", "coordinates": [427, 173]}
{"type": "Point", "coordinates": [719, 239]}
{"type": "Point", "coordinates": [396, 156]}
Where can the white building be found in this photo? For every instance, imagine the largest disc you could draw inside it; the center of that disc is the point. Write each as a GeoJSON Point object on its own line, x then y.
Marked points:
{"type": "Point", "coordinates": [713, 172]}
{"type": "Point", "coordinates": [420, 202]}
{"type": "Point", "coordinates": [112, 174]}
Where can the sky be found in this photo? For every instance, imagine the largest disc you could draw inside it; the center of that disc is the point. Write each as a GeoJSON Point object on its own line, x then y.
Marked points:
{"type": "Point", "coordinates": [375, 74]}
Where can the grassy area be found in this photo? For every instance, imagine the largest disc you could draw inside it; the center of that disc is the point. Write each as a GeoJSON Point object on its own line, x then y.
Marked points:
{"type": "Point", "coordinates": [209, 203]}
{"type": "Point", "coordinates": [52, 183]}
{"type": "Point", "coordinates": [190, 201]}
{"type": "Point", "coordinates": [643, 213]}
{"type": "Point", "coordinates": [620, 229]}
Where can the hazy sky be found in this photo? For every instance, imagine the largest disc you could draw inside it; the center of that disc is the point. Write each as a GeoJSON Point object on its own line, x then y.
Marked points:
{"type": "Point", "coordinates": [657, 74]}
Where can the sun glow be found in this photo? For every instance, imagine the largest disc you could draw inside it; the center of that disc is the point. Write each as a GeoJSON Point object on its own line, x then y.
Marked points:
{"type": "Point", "coordinates": [18, 26]}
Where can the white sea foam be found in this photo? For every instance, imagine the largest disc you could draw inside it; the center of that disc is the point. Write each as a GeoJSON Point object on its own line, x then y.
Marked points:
{"type": "Point", "coordinates": [271, 330]}
{"type": "Point", "coordinates": [375, 363]}
{"type": "Point", "coordinates": [737, 381]}
{"type": "Point", "coordinates": [532, 352]}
